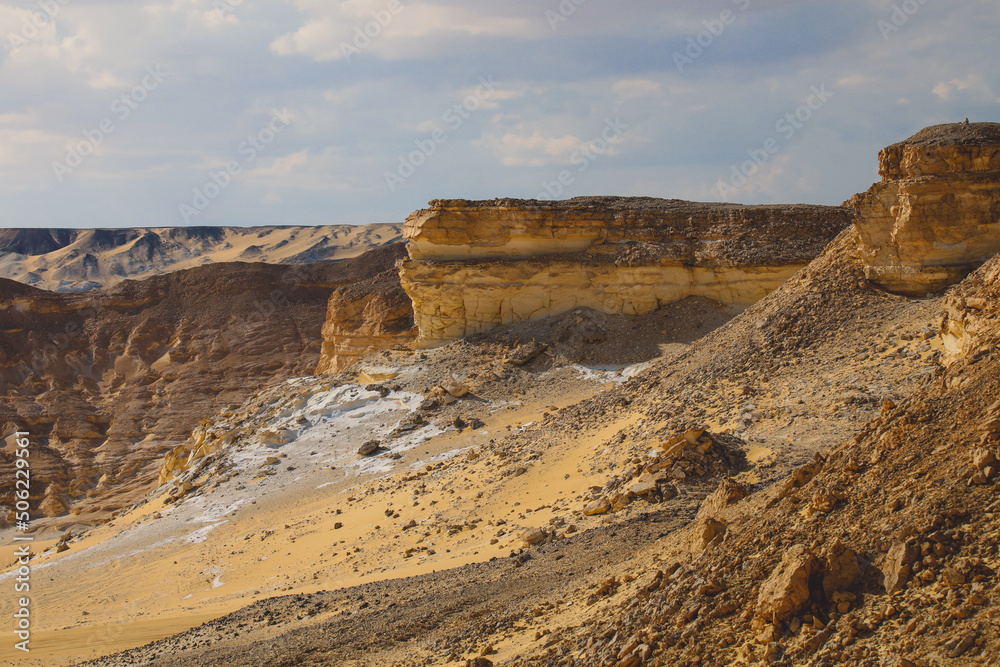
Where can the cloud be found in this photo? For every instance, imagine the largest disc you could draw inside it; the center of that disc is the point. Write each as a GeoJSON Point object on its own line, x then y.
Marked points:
{"type": "Point", "coordinates": [358, 113]}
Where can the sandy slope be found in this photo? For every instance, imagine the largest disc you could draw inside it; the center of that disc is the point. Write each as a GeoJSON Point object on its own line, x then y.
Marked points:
{"type": "Point", "coordinates": [256, 529]}
{"type": "Point", "coordinates": [84, 259]}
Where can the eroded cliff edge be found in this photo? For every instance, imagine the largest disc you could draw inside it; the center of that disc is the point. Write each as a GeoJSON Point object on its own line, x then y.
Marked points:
{"type": "Point", "coordinates": [475, 265]}
{"type": "Point", "coordinates": [935, 215]}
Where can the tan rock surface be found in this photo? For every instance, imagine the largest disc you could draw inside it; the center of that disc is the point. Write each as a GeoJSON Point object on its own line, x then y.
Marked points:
{"type": "Point", "coordinates": [476, 265]}
{"type": "Point", "coordinates": [935, 216]}
{"type": "Point", "coordinates": [787, 589]}
{"type": "Point", "coordinates": [365, 317]}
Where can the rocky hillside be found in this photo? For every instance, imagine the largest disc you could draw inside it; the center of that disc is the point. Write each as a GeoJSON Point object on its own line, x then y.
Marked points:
{"type": "Point", "coordinates": [108, 381]}
{"type": "Point", "coordinates": [67, 260]}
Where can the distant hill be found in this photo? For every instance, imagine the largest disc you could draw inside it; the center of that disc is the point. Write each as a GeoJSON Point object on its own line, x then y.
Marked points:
{"type": "Point", "coordinates": [73, 260]}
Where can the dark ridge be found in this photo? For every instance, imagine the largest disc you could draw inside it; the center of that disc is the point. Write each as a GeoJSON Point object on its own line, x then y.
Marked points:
{"type": "Point", "coordinates": [102, 239]}
{"type": "Point", "coordinates": [198, 233]}
{"type": "Point", "coordinates": [647, 204]}
{"type": "Point", "coordinates": [11, 289]}
{"type": "Point", "coordinates": [147, 246]}
{"type": "Point", "coordinates": [33, 242]}
{"type": "Point", "coordinates": [232, 277]}
{"type": "Point", "coordinates": [252, 251]}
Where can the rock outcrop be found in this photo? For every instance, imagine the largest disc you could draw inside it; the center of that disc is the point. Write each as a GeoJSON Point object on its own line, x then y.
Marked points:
{"type": "Point", "coordinates": [365, 317]}
{"type": "Point", "coordinates": [935, 215]}
{"type": "Point", "coordinates": [476, 265]}
{"type": "Point", "coordinates": [972, 314]}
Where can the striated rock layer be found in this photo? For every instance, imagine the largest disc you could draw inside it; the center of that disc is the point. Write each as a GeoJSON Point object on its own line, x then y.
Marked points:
{"type": "Point", "coordinates": [935, 215]}
{"type": "Point", "coordinates": [106, 382]}
{"type": "Point", "coordinates": [366, 316]}
{"type": "Point", "coordinates": [477, 265]}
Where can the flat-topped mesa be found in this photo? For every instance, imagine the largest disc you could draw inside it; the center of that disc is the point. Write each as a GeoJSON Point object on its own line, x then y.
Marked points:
{"type": "Point", "coordinates": [935, 215]}
{"type": "Point", "coordinates": [475, 265]}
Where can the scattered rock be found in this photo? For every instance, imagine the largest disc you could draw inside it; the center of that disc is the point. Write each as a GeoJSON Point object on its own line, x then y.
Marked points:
{"type": "Point", "coordinates": [840, 569]}
{"type": "Point", "coordinates": [898, 565]}
{"type": "Point", "coordinates": [454, 387]}
{"type": "Point", "coordinates": [370, 448]}
{"type": "Point", "coordinates": [527, 353]}
{"type": "Point", "coordinates": [597, 507]}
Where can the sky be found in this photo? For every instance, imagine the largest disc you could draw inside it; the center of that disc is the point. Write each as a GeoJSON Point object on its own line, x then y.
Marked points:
{"type": "Point", "coordinates": [132, 113]}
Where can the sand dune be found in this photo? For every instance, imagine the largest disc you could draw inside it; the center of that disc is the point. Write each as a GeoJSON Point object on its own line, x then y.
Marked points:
{"type": "Point", "coordinates": [67, 260]}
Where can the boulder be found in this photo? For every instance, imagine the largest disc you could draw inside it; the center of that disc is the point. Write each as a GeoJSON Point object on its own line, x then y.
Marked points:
{"type": "Point", "coordinates": [840, 568]}
{"type": "Point", "coordinates": [369, 448]}
{"type": "Point", "coordinates": [454, 387]}
{"type": "Point", "coordinates": [534, 536]}
{"type": "Point", "coordinates": [707, 531]}
{"type": "Point", "coordinates": [786, 591]}
{"type": "Point", "coordinates": [601, 506]}
{"type": "Point", "coordinates": [898, 565]}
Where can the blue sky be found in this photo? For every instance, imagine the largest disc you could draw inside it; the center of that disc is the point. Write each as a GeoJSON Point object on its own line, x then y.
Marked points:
{"type": "Point", "coordinates": [120, 113]}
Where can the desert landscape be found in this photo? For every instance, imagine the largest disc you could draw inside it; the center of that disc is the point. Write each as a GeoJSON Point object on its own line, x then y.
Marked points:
{"type": "Point", "coordinates": [603, 430]}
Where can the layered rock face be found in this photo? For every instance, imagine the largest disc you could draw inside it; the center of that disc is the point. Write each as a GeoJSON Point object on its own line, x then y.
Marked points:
{"type": "Point", "coordinates": [367, 316]}
{"type": "Point", "coordinates": [477, 265]}
{"type": "Point", "coordinates": [935, 216]}
{"type": "Point", "coordinates": [107, 382]}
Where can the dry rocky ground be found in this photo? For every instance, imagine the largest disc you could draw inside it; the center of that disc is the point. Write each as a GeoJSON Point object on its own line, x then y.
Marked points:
{"type": "Point", "coordinates": [824, 508]}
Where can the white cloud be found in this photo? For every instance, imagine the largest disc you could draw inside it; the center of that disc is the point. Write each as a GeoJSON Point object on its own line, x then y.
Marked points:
{"type": "Point", "coordinates": [341, 30]}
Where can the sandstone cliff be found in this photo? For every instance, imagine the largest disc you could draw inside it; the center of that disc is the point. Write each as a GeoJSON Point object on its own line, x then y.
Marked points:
{"type": "Point", "coordinates": [935, 215]}
{"type": "Point", "coordinates": [366, 316]}
{"type": "Point", "coordinates": [107, 382]}
{"type": "Point", "coordinates": [476, 265]}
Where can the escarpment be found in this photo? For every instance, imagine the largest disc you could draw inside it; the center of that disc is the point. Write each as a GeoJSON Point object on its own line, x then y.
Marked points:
{"type": "Point", "coordinates": [477, 265]}
{"type": "Point", "coordinates": [935, 215]}
{"type": "Point", "coordinates": [107, 382]}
